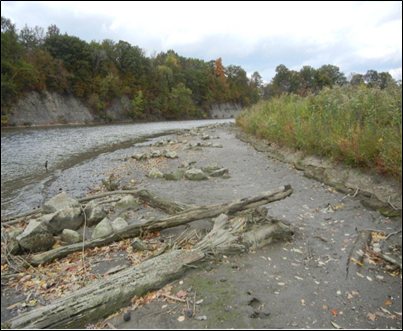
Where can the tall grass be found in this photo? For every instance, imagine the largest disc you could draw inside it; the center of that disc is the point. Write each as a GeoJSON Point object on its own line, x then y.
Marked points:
{"type": "Point", "coordinates": [359, 126]}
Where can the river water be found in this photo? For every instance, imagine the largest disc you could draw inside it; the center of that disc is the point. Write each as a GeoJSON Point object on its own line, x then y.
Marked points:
{"type": "Point", "coordinates": [76, 156]}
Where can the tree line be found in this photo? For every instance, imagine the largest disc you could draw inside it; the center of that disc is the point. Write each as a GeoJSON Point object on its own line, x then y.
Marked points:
{"type": "Point", "coordinates": [164, 85]}
{"type": "Point", "coordinates": [310, 80]}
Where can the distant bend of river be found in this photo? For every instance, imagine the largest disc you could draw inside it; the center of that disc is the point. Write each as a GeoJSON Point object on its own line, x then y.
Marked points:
{"type": "Point", "coordinates": [75, 155]}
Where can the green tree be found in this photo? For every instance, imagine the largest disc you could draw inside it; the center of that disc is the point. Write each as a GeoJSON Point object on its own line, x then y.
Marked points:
{"type": "Point", "coordinates": [307, 74]}
{"type": "Point", "coordinates": [334, 74]}
{"type": "Point", "coordinates": [181, 103]}
{"type": "Point", "coordinates": [282, 79]}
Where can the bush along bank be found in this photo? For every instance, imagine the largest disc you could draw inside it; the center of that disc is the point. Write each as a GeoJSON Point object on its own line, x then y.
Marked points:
{"type": "Point", "coordinates": [358, 126]}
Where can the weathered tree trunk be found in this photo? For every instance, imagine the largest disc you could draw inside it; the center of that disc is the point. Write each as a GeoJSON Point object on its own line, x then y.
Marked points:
{"type": "Point", "coordinates": [108, 295]}
{"type": "Point", "coordinates": [90, 304]}
{"type": "Point", "coordinates": [166, 222]}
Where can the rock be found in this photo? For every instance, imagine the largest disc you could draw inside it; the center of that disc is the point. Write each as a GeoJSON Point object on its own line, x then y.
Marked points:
{"type": "Point", "coordinates": [217, 145]}
{"type": "Point", "coordinates": [111, 184]}
{"type": "Point", "coordinates": [176, 175]}
{"type": "Point", "coordinates": [205, 137]}
{"type": "Point", "coordinates": [59, 202]}
{"type": "Point", "coordinates": [155, 153]}
{"type": "Point", "coordinates": [69, 218]}
{"type": "Point", "coordinates": [36, 237]}
{"type": "Point", "coordinates": [211, 167]}
{"type": "Point", "coordinates": [195, 174]}
{"type": "Point", "coordinates": [139, 245]}
{"type": "Point", "coordinates": [71, 237]}
{"type": "Point", "coordinates": [103, 228]}
{"type": "Point", "coordinates": [219, 172]}
{"type": "Point", "coordinates": [118, 224]}
{"type": "Point", "coordinates": [94, 213]}
{"type": "Point", "coordinates": [13, 248]}
{"type": "Point", "coordinates": [126, 202]}
{"type": "Point", "coordinates": [171, 155]}
{"type": "Point", "coordinates": [184, 165]}
{"type": "Point", "coordinates": [141, 156]}
{"type": "Point", "coordinates": [155, 173]}
{"type": "Point", "coordinates": [126, 316]}
{"type": "Point", "coordinates": [14, 233]}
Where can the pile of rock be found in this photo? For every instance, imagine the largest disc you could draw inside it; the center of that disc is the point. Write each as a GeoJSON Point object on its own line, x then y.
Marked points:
{"type": "Point", "coordinates": [62, 216]}
{"type": "Point", "coordinates": [187, 171]}
{"type": "Point", "coordinates": [156, 153]}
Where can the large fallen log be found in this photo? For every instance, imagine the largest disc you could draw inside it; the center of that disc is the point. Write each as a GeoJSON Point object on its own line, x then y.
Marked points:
{"type": "Point", "coordinates": [91, 303]}
{"type": "Point", "coordinates": [159, 224]}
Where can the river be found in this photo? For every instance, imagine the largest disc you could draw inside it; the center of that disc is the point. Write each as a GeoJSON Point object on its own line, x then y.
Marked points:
{"type": "Point", "coordinates": [76, 156]}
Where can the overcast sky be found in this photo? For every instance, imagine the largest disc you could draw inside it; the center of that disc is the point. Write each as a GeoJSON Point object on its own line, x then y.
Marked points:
{"type": "Point", "coordinates": [258, 36]}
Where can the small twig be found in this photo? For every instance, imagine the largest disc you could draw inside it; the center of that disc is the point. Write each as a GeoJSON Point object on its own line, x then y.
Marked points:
{"type": "Point", "coordinates": [392, 204]}
{"type": "Point", "coordinates": [393, 233]}
{"type": "Point", "coordinates": [389, 259]}
{"type": "Point", "coordinates": [351, 196]}
{"type": "Point", "coordinates": [173, 298]}
{"type": "Point", "coordinates": [171, 310]}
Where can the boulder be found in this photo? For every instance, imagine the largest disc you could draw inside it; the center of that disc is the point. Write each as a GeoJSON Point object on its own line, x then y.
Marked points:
{"type": "Point", "coordinates": [118, 224]}
{"type": "Point", "coordinates": [94, 213]}
{"type": "Point", "coordinates": [195, 174]}
{"type": "Point", "coordinates": [103, 228]}
{"type": "Point", "coordinates": [71, 237]}
{"type": "Point", "coordinates": [59, 202]}
{"type": "Point", "coordinates": [126, 202]}
{"type": "Point", "coordinates": [176, 175]}
{"type": "Point", "coordinates": [69, 218]}
{"type": "Point", "coordinates": [36, 237]}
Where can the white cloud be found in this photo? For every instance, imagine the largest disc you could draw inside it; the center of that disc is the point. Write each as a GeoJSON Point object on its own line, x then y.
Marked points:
{"type": "Point", "coordinates": [252, 34]}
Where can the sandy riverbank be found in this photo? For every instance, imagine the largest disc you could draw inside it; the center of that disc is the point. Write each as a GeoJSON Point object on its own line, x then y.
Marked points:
{"type": "Point", "coordinates": [308, 282]}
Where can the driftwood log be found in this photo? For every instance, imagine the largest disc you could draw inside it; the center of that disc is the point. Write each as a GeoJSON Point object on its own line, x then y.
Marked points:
{"type": "Point", "coordinates": [88, 305]}
{"type": "Point", "coordinates": [181, 218]}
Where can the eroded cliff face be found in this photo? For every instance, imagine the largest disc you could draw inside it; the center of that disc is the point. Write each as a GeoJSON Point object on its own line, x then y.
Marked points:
{"type": "Point", "coordinates": [225, 110]}
{"type": "Point", "coordinates": [49, 108]}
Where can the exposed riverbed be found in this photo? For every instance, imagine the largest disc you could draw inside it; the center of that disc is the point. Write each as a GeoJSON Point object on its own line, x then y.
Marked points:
{"type": "Point", "coordinates": [77, 156]}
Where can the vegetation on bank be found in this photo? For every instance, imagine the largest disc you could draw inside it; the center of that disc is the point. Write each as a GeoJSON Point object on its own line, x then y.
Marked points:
{"type": "Point", "coordinates": [165, 85]}
{"type": "Point", "coordinates": [357, 125]}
